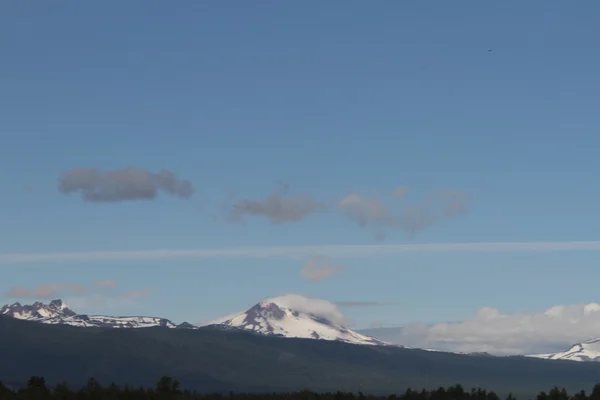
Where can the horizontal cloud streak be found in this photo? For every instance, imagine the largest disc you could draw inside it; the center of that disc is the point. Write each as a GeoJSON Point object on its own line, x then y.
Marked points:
{"type": "Point", "coordinates": [300, 252]}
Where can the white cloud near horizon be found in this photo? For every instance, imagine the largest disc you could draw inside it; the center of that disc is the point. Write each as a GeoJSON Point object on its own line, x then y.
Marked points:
{"type": "Point", "coordinates": [299, 252]}
{"type": "Point", "coordinates": [489, 330]}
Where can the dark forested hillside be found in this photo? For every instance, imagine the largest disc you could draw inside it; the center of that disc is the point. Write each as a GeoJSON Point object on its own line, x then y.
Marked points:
{"type": "Point", "coordinates": [212, 360]}
{"type": "Point", "coordinates": [168, 388]}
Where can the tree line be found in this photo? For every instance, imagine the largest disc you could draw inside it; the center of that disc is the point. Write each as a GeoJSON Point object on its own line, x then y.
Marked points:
{"type": "Point", "coordinates": [169, 388]}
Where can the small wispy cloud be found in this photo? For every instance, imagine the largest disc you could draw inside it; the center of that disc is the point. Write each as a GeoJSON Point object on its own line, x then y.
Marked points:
{"type": "Point", "coordinates": [277, 207]}
{"type": "Point", "coordinates": [300, 252]}
{"type": "Point", "coordinates": [372, 213]}
{"type": "Point", "coordinates": [126, 184]}
{"type": "Point", "coordinates": [400, 191]}
{"type": "Point", "coordinates": [319, 268]}
{"type": "Point", "coordinates": [47, 290]}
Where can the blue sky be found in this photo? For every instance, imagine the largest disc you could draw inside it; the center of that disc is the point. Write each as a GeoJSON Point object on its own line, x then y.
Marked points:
{"type": "Point", "coordinates": [331, 98]}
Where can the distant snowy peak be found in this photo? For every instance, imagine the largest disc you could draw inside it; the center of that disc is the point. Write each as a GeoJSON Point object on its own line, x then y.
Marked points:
{"type": "Point", "coordinates": [586, 351]}
{"type": "Point", "coordinates": [57, 312]}
{"type": "Point", "coordinates": [274, 317]}
{"type": "Point", "coordinates": [37, 310]}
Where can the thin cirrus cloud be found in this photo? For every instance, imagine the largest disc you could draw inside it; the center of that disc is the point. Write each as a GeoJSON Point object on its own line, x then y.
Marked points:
{"type": "Point", "coordinates": [128, 184]}
{"type": "Point", "coordinates": [300, 252]}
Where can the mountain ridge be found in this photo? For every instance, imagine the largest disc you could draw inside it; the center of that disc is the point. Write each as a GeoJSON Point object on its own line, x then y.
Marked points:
{"type": "Point", "coordinates": [273, 316]}
{"type": "Point", "coordinates": [58, 312]}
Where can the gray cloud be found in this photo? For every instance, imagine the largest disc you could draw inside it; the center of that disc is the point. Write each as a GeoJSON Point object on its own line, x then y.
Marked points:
{"type": "Point", "coordinates": [319, 267]}
{"type": "Point", "coordinates": [372, 213]}
{"type": "Point", "coordinates": [127, 184]}
{"type": "Point", "coordinates": [276, 207]}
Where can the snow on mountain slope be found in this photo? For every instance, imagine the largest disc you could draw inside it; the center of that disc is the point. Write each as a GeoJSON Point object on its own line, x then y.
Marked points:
{"type": "Point", "coordinates": [57, 312]}
{"type": "Point", "coordinates": [586, 351]}
{"type": "Point", "coordinates": [291, 316]}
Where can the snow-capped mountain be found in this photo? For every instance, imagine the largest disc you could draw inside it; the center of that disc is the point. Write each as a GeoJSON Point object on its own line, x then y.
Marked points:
{"type": "Point", "coordinates": [586, 351]}
{"type": "Point", "coordinates": [278, 316]}
{"type": "Point", "coordinates": [57, 312]}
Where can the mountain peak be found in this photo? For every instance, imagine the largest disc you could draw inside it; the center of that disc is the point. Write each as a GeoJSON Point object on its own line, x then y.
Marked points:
{"type": "Point", "coordinates": [585, 351]}
{"type": "Point", "coordinates": [38, 310]}
{"type": "Point", "coordinates": [268, 309]}
{"type": "Point", "coordinates": [298, 317]}
{"type": "Point", "coordinates": [58, 303]}
{"type": "Point", "coordinates": [321, 309]}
